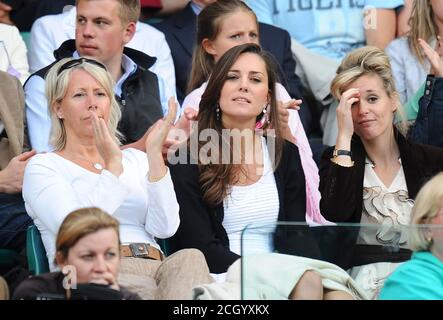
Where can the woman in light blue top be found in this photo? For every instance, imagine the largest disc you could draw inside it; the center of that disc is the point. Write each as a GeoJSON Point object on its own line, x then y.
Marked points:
{"type": "Point", "coordinates": [422, 276]}
{"type": "Point", "coordinates": [409, 63]}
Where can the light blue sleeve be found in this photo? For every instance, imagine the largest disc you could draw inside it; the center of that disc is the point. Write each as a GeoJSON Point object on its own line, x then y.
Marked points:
{"type": "Point", "coordinates": [395, 51]}
{"type": "Point", "coordinates": [165, 92]}
{"type": "Point", "coordinates": [37, 114]}
{"type": "Point", "coordinates": [264, 9]}
{"type": "Point", "coordinates": [385, 4]}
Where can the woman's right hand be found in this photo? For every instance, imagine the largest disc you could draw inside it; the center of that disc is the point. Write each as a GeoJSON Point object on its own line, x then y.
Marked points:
{"type": "Point", "coordinates": [107, 279]}
{"type": "Point", "coordinates": [283, 117]}
{"type": "Point", "coordinates": [106, 146]}
{"type": "Point", "coordinates": [344, 115]}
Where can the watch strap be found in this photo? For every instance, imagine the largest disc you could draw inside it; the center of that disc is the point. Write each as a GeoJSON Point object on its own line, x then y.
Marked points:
{"type": "Point", "coordinates": [340, 152]}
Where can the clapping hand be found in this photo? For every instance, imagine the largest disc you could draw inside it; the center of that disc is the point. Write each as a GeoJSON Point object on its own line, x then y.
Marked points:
{"type": "Point", "coordinates": [158, 133]}
{"type": "Point", "coordinates": [106, 146]}
{"type": "Point", "coordinates": [435, 56]}
{"type": "Point", "coordinates": [156, 140]}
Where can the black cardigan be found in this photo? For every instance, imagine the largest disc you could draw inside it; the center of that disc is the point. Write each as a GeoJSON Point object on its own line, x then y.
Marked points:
{"type": "Point", "coordinates": [201, 225]}
{"type": "Point", "coordinates": [341, 188]}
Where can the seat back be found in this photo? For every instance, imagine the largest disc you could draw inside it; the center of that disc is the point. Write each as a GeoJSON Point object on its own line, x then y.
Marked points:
{"type": "Point", "coordinates": [35, 250]}
{"type": "Point", "coordinates": [164, 245]}
{"type": "Point", "coordinates": [26, 35]}
{"type": "Point", "coordinates": [8, 259]}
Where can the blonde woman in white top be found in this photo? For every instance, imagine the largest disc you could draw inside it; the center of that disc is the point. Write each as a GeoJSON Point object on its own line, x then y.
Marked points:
{"type": "Point", "coordinates": [88, 169]}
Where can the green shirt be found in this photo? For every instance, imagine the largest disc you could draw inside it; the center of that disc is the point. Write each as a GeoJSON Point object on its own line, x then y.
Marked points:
{"type": "Point", "coordinates": [411, 107]}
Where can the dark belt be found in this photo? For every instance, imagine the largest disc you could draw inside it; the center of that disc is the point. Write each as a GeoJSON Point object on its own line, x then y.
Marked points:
{"type": "Point", "coordinates": [141, 250]}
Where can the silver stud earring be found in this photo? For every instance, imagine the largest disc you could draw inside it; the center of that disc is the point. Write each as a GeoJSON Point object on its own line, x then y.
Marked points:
{"type": "Point", "coordinates": [217, 111]}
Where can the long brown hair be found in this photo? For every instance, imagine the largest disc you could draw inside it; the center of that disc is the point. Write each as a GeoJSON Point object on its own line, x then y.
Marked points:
{"type": "Point", "coordinates": [208, 27]}
{"type": "Point", "coordinates": [216, 179]}
{"type": "Point", "coordinates": [422, 25]}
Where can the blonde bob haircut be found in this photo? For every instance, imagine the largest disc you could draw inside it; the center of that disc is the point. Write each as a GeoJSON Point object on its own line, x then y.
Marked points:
{"type": "Point", "coordinates": [428, 204]}
{"type": "Point", "coordinates": [57, 83]}
{"type": "Point", "coordinates": [363, 61]}
{"type": "Point", "coordinates": [81, 223]}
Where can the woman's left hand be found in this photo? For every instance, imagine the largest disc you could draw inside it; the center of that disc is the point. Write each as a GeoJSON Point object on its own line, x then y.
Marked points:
{"type": "Point", "coordinates": [158, 133]}
{"type": "Point", "coordinates": [434, 55]}
{"type": "Point", "coordinates": [155, 141]}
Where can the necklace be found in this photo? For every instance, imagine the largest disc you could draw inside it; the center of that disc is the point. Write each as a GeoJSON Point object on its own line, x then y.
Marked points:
{"type": "Point", "coordinates": [372, 163]}
{"type": "Point", "coordinates": [97, 165]}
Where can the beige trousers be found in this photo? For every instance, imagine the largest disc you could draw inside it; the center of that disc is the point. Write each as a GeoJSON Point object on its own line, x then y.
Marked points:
{"type": "Point", "coordinates": [4, 291]}
{"type": "Point", "coordinates": [170, 279]}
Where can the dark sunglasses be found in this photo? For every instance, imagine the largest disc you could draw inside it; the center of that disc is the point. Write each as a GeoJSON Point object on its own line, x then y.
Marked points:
{"type": "Point", "coordinates": [76, 62]}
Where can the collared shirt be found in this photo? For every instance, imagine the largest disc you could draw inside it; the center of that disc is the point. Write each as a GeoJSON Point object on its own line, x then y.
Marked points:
{"type": "Point", "coordinates": [129, 66]}
{"type": "Point", "coordinates": [196, 8]}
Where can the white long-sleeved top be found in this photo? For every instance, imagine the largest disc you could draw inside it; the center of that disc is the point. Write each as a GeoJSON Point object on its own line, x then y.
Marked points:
{"type": "Point", "coordinates": [54, 186]}
{"type": "Point", "coordinates": [49, 32]}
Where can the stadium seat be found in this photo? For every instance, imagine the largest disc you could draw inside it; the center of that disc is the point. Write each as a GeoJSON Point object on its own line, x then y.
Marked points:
{"type": "Point", "coordinates": [35, 250]}
{"type": "Point", "coordinates": [26, 36]}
